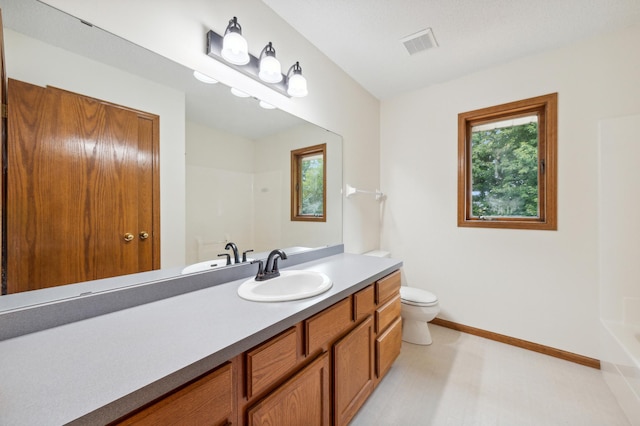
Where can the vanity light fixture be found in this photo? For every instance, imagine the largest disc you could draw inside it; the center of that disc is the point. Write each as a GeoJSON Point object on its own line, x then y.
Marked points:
{"type": "Point", "coordinates": [234, 47]}
{"type": "Point", "coordinates": [296, 83]}
{"type": "Point", "coordinates": [270, 69]}
{"type": "Point", "coordinates": [204, 78]}
{"type": "Point", "coordinates": [265, 69]}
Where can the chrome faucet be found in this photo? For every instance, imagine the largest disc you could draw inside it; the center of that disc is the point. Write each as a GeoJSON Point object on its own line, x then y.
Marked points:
{"type": "Point", "coordinates": [271, 268]}
{"type": "Point", "coordinates": [233, 247]}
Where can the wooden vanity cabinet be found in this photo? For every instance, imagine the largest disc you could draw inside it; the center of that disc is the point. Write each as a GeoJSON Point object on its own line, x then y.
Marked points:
{"type": "Point", "coordinates": [318, 372]}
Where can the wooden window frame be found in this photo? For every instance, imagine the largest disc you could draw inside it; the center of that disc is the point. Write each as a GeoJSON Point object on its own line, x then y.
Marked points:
{"type": "Point", "coordinates": [546, 107]}
{"type": "Point", "coordinates": [296, 157]}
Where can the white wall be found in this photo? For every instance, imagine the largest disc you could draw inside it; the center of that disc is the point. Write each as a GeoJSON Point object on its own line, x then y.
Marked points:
{"type": "Point", "coordinates": [177, 31]}
{"type": "Point", "coordinates": [38, 63]}
{"type": "Point", "coordinates": [238, 189]}
{"type": "Point", "coordinates": [219, 191]}
{"type": "Point", "coordinates": [540, 286]}
{"type": "Point", "coordinates": [273, 190]}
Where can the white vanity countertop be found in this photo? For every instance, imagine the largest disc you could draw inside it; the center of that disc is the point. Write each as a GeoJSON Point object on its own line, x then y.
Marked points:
{"type": "Point", "coordinates": [95, 370]}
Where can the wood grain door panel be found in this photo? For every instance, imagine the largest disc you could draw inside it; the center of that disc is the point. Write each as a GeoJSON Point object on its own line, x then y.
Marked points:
{"type": "Point", "coordinates": [75, 188]}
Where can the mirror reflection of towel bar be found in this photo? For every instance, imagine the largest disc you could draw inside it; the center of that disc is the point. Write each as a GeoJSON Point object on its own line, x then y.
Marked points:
{"type": "Point", "coordinates": [350, 190]}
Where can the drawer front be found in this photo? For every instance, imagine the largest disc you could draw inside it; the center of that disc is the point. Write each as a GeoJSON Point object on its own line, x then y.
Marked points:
{"type": "Point", "coordinates": [364, 303]}
{"type": "Point", "coordinates": [327, 325]}
{"type": "Point", "coordinates": [304, 399]}
{"type": "Point", "coordinates": [207, 401]}
{"type": "Point", "coordinates": [270, 361]}
{"type": "Point", "coordinates": [387, 287]}
{"type": "Point", "coordinates": [388, 346]}
{"type": "Point", "coordinates": [388, 313]}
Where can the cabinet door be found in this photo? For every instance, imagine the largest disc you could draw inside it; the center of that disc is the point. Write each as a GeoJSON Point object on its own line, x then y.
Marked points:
{"type": "Point", "coordinates": [301, 400]}
{"type": "Point", "coordinates": [353, 371]}
{"type": "Point", "coordinates": [388, 346]}
{"type": "Point", "coordinates": [207, 401]}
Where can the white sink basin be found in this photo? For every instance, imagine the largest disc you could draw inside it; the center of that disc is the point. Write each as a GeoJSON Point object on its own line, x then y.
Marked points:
{"type": "Point", "coordinates": [207, 265]}
{"type": "Point", "coordinates": [290, 285]}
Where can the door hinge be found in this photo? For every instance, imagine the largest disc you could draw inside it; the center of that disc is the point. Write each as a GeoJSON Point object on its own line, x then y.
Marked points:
{"type": "Point", "coordinates": [5, 113]}
{"type": "Point", "coordinates": [543, 167]}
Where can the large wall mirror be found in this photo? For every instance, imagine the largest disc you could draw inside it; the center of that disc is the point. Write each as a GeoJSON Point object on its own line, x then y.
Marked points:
{"type": "Point", "coordinates": [224, 158]}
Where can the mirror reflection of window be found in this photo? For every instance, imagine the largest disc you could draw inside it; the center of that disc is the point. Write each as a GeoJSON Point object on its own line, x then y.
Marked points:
{"type": "Point", "coordinates": [308, 184]}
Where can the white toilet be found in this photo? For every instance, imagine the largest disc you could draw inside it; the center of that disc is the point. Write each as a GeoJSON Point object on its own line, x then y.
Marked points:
{"type": "Point", "coordinates": [418, 307]}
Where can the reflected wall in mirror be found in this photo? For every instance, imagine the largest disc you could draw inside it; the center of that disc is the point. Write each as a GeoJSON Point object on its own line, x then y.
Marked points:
{"type": "Point", "coordinates": [229, 141]}
{"type": "Point", "coordinates": [244, 195]}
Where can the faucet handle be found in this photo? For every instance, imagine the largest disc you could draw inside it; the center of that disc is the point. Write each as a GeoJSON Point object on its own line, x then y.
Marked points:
{"type": "Point", "coordinates": [228, 257]}
{"type": "Point", "coordinates": [260, 274]}
{"type": "Point", "coordinates": [274, 271]}
{"type": "Point", "coordinates": [244, 255]}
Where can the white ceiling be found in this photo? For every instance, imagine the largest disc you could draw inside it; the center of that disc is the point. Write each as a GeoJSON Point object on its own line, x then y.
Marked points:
{"type": "Point", "coordinates": [363, 36]}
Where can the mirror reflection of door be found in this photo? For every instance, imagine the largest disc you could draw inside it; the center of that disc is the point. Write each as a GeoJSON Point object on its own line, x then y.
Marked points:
{"type": "Point", "coordinates": [82, 189]}
{"type": "Point", "coordinates": [3, 145]}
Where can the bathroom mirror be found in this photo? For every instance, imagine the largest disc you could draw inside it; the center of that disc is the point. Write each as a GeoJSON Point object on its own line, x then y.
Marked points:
{"type": "Point", "coordinates": [231, 194]}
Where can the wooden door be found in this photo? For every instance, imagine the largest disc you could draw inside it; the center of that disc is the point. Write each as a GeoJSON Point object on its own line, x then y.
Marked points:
{"type": "Point", "coordinates": [82, 174]}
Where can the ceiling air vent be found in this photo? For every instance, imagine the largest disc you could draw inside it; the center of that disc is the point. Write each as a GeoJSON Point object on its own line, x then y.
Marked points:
{"type": "Point", "coordinates": [420, 41]}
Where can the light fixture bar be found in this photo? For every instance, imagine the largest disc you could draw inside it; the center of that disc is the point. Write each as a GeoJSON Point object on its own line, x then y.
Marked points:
{"type": "Point", "coordinates": [251, 69]}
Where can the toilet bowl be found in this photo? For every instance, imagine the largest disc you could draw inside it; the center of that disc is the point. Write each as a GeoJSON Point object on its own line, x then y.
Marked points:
{"type": "Point", "coordinates": [417, 308]}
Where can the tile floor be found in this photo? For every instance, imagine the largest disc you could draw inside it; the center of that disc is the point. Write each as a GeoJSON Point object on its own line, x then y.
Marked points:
{"type": "Point", "coordinates": [463, 379]}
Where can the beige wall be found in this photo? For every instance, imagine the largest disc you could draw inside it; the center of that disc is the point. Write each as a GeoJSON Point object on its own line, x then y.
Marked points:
{"type": "Point", "coordinates": [540, 286]}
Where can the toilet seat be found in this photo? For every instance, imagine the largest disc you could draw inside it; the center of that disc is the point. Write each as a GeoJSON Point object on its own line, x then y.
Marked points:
{"type": "Point", "coordinates": [417, 297]}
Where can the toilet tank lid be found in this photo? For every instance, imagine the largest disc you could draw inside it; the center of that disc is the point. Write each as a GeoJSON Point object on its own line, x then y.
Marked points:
{"type": "Point", "coordinates": [417, 295]}
{"type": "Point", "coordinates": [378, 253]}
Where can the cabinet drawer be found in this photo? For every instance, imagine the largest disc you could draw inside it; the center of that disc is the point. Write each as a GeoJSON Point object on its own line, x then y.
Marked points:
{"type": "Point", "coordinates": [388, 313]}
{"type": "Point", "coordinates": [327, 325]}
{"type": "Point", "coordinates": [304, 399]}
{"type": "Point", "coordinates": [388, 346]}
{"type": "Point", "coordinates": [270, 361]}
{"type": "Point", "coordinates": [364, 303]}
{"type": "Point", "coordinates": [207, 401]}
{"type": "Point", "coordinates": [387, 287]}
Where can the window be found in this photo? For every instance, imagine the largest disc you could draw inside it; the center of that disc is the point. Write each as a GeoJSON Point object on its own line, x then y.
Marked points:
{"type": "Point", "coordinates": [308, 183]}
{"type": "Point", "coordinates": [507, 165]}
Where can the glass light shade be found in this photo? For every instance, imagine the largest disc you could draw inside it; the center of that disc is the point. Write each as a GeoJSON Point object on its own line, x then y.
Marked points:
{"type": "Point", "coordinates": [297, 86]}
{"type": "Point", "coordinates": [266, 105]}
{"type": "Point", "coordinates": [204, 78]}
{"type": "Point", "coordinates": [235, 49]}
{"type": "Point", "coordinates": [239, 93]}
{"type": "Point", "coordinates": [270, 69]}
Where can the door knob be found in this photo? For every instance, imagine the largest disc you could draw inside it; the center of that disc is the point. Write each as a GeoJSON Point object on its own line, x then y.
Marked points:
{"type": "Point", "coordinates": [144, 235]}
{"type": "Point", "coordinates": [128, 237]}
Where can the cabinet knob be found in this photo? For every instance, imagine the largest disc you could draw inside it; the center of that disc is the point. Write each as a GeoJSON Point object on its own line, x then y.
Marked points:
{"type": "Point", "coordinates": [128, 237]}
{"type": "Point", "coordinates": [144, 235]}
